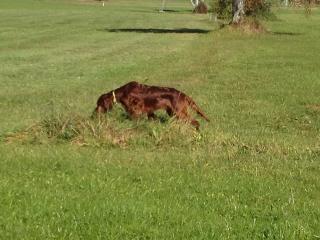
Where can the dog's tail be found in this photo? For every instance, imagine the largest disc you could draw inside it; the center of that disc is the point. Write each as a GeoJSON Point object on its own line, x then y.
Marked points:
{"type": "Point", "coordinates": [195, 107]}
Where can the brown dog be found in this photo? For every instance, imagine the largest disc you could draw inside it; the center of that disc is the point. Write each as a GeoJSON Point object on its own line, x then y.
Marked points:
{"type": "Point", "coordinates": [139, 99]}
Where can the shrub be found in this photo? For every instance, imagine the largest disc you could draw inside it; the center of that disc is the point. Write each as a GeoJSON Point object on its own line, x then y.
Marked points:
{"type": "Point", "coordinates": [257, 8]}
{"type": "Point", "coordinates": [201, 8]}
{"type": "Point", "coordinates": [253, 8]}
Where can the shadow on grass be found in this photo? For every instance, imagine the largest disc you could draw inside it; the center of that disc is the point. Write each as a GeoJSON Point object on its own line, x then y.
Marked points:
{"type": "Point", "coordinates": [286, 33]}
{"type": "Point", "coordinates": [175, 11]}
{"type": "Point", "coordinates": [164, 11]}
{"type": "Point", "coordinates": [159, 30]}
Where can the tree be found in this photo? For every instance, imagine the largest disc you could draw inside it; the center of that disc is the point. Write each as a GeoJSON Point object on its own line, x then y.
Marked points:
{"type": "Point", "coordinates": [235, 11]}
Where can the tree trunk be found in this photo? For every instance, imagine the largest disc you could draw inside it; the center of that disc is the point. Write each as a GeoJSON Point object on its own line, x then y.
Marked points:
{"type": "Point", "coordinates": [194, 3]}
{"type": "Point", "coordinates": [163, 6]}
{"type": "Point", "coordinates": [237, 11]}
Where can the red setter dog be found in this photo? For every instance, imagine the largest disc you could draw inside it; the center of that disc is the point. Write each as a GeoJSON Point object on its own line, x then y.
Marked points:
{"type": "Point", "coordinates": [139, 99]}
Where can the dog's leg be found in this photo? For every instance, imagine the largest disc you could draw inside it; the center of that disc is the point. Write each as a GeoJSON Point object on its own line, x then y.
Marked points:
{"type": "Point", "coordinates": [133, 113]}
{"type": "Point", "coordinates": [152, 116]}
{"type": "Point", "coordinates": [169, 112]}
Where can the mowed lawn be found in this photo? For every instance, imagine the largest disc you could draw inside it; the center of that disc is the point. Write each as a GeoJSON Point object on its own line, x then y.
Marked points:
{"type": "Point", "coordinates": [253, 172]}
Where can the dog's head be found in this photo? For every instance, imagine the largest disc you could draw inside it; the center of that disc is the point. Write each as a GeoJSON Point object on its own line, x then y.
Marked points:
{"type": "Point", "coordinates": [104, 103]}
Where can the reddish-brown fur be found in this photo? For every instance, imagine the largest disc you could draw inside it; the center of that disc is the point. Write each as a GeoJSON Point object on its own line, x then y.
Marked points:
{"type": "Point", "coordinates": [139, 99]}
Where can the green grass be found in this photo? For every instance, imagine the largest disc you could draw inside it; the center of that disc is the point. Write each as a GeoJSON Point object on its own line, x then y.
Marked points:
{"type": "Point", "coordinates": [253, 172]}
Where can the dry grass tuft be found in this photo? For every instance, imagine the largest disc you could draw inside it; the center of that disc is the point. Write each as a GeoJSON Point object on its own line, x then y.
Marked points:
{"type": "Point", "coordinates": [250, 25]}
{"type": "Point", "coordinates": [105, 131]}
{"type": "Point", "coordinates": [314, 107]}
{"type": "Point", "coordinates": [74, 129]}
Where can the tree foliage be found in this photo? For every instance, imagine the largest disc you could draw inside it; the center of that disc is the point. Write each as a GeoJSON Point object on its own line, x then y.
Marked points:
{"type": "Point", "coordinates": [254, 8]}
{"type": "Point", "coordinates": [257, 8]}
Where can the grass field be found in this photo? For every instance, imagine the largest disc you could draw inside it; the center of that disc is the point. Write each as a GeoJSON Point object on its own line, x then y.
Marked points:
{"type": "Point", "coordinates": [253, 172]}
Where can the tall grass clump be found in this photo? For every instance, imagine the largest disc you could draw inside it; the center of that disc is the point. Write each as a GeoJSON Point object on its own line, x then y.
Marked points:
{"type": "Point", "coordinates": [106, 131]}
